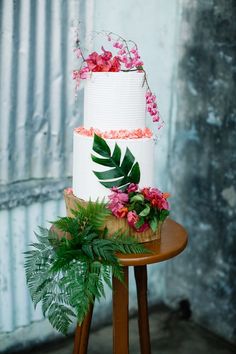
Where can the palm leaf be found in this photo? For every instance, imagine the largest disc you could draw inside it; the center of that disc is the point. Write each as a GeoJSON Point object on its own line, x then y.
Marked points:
{"type": "Point", "coordinates": [122, 172]}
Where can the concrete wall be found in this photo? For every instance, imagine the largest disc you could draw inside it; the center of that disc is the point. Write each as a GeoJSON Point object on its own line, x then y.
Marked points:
{"type": "Point", "coordinates": [202, 164]}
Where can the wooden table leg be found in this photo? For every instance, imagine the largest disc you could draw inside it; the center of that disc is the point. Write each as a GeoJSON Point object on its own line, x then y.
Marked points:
{"type": "Point", "coordinates": [82, 334]}
{"type": "Point", "coordinates": [121, 315]}
{"type": "Point", "coordinates": [140, 273]}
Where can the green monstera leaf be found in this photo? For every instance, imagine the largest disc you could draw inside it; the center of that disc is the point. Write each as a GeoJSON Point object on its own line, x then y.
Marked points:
{"type": "Point", "coordinates": [122, 172]}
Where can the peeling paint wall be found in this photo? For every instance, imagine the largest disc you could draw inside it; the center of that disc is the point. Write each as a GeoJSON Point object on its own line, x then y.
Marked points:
{"type": "Point", "coordinates": [202, 164]}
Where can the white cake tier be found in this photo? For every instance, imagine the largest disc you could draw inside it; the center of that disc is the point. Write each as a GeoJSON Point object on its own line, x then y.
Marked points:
{"type": "Point", "coordinates": [86, 185]}
{"type": "Point", "coordinates": [115, 100]}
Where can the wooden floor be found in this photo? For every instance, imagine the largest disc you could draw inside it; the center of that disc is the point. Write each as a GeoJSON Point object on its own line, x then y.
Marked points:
{"type": "Point", "coordinates": [170, 334]}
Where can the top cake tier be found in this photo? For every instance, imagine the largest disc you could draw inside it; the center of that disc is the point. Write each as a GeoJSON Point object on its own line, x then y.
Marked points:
{"type": "Point", "coordinates": [115, 100]}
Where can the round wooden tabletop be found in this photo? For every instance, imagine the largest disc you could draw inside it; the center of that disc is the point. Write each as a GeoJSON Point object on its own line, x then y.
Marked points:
{"type": "Point", "coordinates": [173, 241]}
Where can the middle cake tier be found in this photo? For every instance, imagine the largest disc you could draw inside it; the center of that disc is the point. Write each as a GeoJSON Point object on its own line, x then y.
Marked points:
{"type": "Point", "coordinates": [86, 184]}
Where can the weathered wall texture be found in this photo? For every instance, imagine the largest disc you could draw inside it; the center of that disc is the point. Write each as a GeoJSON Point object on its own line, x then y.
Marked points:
{"type": "Point", "coordinates": [202, 164]}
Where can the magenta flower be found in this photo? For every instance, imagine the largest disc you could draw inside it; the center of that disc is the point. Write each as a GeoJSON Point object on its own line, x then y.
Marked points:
{"type": "Point", "coordinates": [117, 200]}
{"type": "Point", "coordinates": [84, 73]}
{"type": "Point", "coordinates": [143, 228]}
{"type": "Point", "coordinates": [132, 218]}
{"type": "Point", "coordinates": [132, 187]}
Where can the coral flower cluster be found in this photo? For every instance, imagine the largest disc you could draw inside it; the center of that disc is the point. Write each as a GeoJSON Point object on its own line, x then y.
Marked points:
{"type": "Point", "coordinates": [116, 134]}
{"type": "Point", "coordinates": [143, 208]}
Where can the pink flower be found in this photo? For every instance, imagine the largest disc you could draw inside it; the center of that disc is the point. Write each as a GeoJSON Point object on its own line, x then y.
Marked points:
{"type": "Point", "coordinates": [118, 45]}
{"type": "Point", "coordinates": [69, 191]}
{"type": "Point", "coordinates": [92, 60]}
{"type": "Point", "coordinates": [132, 218]}
{"type": "Point", "coordinates": [117, 201]}
{"type": "Point", "coordinates": [155, 118]}
{"type": "Point", "coordinates": [107, 55]}
{"type": "Point", "coordinates": [122, 52]}
{"type": "Point", "coordinates": [78, 52]}
{"type": "Point", "coordinates": [128, 65]}
{"type": "Point", "coordinates": [132, 187]}
{"type": "Point", "coordinates": [75, 74]}
{"type": "Point", "coordinates": [156, 197]}
{"type": "Point", "coordinates": [115, 64]}
{"type": "Point", "coordinates": [103, 62]}
{"type": "Point", "coordinates": [143, 228]}
{"type": "Point", "coordinates": [84, 73]}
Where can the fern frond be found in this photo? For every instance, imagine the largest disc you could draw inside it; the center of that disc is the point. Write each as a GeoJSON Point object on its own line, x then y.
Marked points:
{"type": "Point", "coordinates": [67, 275]}
{"type": "Point", "coordinates": [67, 224]}
{"type": "Point", "coordinates": [59, 316]}
{"type": "Point", "coordinates": [106, 272]}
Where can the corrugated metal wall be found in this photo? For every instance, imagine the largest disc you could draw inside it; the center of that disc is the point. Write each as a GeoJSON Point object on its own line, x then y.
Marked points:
{"type": "Point", "coordinates": [37, 115]}
{"type": "Point", "coordinates": [36, 89]}
{"type": "Point", "coordinates": [16, 309]}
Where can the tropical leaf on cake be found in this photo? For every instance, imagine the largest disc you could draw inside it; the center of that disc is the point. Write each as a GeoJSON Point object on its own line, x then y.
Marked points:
{"type": "Point", "coordinates": [122, 171]}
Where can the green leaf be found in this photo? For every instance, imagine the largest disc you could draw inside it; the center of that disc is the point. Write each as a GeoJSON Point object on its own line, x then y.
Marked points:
{"type": "Point", "coordinates": [116, 156]}
{"type": "Point", "coordinates": [128, 161]}
{"type": "Point", "coordinates": [134, 175]}
{"type": "Point", "coordinates": [154, 224]}
{"type": "Point", "coordinates": [137, 198]}
{"type": "Point", "coordinates": [145, 211]}
{"type": "Point", "coordinates": [110, 174]}
{"type": "Point", "coordinates": [123, 173]}
{"type": "Point", "coordinates": [100, 146]}
{"type": "Point", "coordinates": [118, 183]}
{"type": "Point", "coordinates": [140, 222]}
{"type": "Point", "coordinates": [164, 214]}
{"type": "Point", "coordinates": [103, 162]}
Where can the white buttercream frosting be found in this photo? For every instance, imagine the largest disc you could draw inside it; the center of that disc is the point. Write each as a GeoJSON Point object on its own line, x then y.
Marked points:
{"type": "Point", "coordinates": [115, 100]}
{"type": "Point", "coordinates": [86, 185]}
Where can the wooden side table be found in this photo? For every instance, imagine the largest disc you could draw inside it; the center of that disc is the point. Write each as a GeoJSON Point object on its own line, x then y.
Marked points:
{"type": "Point", "coordinates": [173, 241]}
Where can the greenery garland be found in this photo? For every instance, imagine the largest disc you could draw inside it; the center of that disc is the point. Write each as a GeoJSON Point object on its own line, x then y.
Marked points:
{"type": "Point", "coordinates": [68, 274]}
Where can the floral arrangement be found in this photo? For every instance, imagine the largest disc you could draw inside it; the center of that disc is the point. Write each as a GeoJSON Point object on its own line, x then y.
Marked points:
{"type": "Point", "coordinates": [143, 208]}
{"type": "Point", "coordinates": [126, 58]}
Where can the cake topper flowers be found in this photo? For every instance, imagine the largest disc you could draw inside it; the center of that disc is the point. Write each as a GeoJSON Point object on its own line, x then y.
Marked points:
{"type": "Point", "coordinates": [124, 56]}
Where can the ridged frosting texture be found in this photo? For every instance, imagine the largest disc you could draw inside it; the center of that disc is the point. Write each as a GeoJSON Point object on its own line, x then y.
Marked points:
{"type": "Point", "coordinates": [86, 185]}
{"type": "Point", "coordinates": [115, 100]}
